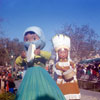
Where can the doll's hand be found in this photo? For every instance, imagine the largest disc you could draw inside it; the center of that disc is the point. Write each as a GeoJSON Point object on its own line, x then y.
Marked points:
{"type": "Point", "coordinates": [65, 68]}
{"type": "Point", "coordinates": [37, 52]}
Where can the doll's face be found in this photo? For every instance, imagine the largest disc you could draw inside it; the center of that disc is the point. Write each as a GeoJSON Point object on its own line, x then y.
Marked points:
{"type": "Point", "coordinates": [23, 54]}
{"type": "Point", "coordinates": [31, 37]}
{"type": "Point", "coordinates": [63, 54]}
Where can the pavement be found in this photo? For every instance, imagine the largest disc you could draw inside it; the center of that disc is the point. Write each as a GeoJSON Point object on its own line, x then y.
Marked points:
{"type": "Point", "coordinates": [85, 94]}
{"type": "Point", "coordinates": [89, 95]}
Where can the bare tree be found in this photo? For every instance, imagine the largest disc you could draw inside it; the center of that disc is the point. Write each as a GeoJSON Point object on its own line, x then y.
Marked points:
{"type": "Point", "coordinates": [84, 41]}
{"type": "Point", "coordinates": [8, 46]}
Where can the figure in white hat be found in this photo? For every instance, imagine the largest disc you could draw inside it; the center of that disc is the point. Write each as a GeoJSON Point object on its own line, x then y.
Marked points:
{"type": "Point", "coordinates": [65, 68]}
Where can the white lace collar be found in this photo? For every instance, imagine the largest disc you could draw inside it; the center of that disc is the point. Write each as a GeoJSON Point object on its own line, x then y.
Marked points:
{"type": "Point", "coordinates": [63, 63]}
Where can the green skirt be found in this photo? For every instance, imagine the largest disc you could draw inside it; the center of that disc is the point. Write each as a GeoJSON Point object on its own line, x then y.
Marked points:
{"type": "Point", "coordinates": [38, 85]}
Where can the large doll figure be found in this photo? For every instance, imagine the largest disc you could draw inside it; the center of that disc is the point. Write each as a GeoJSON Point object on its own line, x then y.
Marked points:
{"type": "Point", "coordinates": [37, 84]}
{"type": "Point", "coordinates": [65, 68]}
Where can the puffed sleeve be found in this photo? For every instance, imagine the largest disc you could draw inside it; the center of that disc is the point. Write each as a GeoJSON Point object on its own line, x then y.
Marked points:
{"type": "Point", "coordinates": [45, 54]}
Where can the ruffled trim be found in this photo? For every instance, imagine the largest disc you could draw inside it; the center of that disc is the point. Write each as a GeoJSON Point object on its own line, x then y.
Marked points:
{"type": "Point", "coordinates": [72, 96]}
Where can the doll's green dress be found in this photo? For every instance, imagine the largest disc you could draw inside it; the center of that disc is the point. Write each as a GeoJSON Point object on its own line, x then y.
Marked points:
{"type": "Point", "coordinates": [38, 85]}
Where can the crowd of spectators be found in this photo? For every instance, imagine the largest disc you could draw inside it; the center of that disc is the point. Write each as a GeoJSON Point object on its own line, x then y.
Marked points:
{"type": "Point", "coordinates": [89, 71]}
{"type": "Point", "coordinates": [8, 75]}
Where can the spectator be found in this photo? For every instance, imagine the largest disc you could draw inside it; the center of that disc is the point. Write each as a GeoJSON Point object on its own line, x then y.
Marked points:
{"type": "Point", "coordinates": [10, 83]}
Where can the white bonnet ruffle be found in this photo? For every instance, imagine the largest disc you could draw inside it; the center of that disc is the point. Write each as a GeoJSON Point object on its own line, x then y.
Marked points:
{"type": "Point", "coordinates": [37, 30]}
